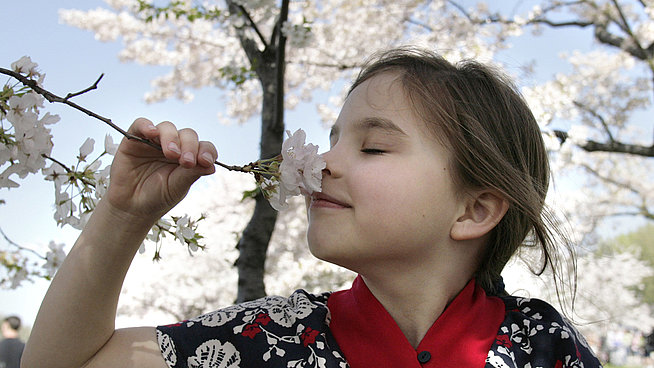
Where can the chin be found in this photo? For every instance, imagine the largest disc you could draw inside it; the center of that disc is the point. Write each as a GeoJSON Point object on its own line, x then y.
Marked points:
{"type": "Point", "coordinates": [334, 255]}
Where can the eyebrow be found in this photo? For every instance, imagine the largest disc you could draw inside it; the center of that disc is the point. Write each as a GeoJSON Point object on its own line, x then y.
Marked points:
{"type": "Point", "coordinates": [371, 123]}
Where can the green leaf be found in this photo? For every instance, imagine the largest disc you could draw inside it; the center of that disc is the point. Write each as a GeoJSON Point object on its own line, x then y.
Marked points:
{"type": "Point", "coordinates": [251, 193]}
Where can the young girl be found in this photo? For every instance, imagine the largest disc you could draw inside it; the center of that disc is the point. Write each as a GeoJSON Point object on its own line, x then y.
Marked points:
{"type": "Point", "coordinates": [436, 175]}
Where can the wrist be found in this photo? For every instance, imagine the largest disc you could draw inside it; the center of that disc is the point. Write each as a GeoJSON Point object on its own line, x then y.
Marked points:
{"type": "Point", "coordinates": [111, 224]}
{"type": "Point", "coordinates": [116, 216]}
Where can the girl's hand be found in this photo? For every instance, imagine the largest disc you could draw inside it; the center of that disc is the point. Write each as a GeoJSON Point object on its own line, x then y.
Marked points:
{"type": "Point", "coordinates": [145, 182]}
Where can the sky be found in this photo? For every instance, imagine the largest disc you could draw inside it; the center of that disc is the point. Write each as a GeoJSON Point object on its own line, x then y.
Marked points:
{"type": "Point", "coordinates": [72, 60]}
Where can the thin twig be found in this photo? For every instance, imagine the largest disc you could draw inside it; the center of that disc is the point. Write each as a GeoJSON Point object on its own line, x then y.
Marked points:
{"type": "Point", "coordinates": [11, 242]}
{"type": "Point", "coordinates": [51, 97]}
{"type": "Point", "coordinates": [92, 87]}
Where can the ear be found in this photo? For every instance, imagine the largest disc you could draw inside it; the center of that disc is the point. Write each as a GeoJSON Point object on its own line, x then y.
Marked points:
{"type": "Point", "coordinates": [483, 211]}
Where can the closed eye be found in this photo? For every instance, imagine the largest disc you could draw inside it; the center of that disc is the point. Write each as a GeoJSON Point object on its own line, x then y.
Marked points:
{"type": "Point", "coordinates": [372, 151]}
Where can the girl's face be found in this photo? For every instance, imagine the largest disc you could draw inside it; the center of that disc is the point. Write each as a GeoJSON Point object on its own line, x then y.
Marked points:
{"type": "Point", "coordinates": [388, 197]}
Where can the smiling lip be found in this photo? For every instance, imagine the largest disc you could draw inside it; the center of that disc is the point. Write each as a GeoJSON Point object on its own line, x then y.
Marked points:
{"type": "Point", "coordinates": [325, 201]}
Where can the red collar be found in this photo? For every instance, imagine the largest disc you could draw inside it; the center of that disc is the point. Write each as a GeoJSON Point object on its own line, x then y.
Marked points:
{"type": "Point", "coordinates": [460, 337]}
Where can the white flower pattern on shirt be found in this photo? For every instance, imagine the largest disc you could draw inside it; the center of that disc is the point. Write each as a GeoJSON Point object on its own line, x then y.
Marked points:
{"type": "Point", "coordinates": [214, 354]}
{"type": "Point", "coordinates": [519, 344]}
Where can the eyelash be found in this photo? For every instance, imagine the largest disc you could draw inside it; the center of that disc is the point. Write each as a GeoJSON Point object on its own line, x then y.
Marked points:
{"type": "Point", "coordinates": [373, 151]}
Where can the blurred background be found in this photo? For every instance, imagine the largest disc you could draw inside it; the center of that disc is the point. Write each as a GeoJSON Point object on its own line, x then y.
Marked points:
{"type": "Point", "coordinates": [585, 67]}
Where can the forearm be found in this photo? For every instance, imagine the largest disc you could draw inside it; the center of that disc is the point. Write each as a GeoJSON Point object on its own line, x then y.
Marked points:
{"type": "Point", "coordinates": [78, 312]}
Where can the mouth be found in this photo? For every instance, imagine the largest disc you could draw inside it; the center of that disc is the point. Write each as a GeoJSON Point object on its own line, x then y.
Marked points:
{"type": "Point", "coordinates": [319, 199]}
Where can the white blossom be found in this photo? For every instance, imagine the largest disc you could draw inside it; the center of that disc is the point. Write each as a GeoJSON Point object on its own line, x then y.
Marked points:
{"type": "Point", "coordinates": [298, 35]}
{"type": "Point", "coordinates": [54, 258]}
{"type": "Point", "coordinates": [86, 148]}
{"type": "Point", "coordinates": [26, 140]}
{"type": "Point", "coordinates": [109, 146]}
{"type": "Point", "coordinates": [19, 276]}
{"type": "Point", "coordinates": [184, 231]}
{"type": "Point", "coordinates": [25, 66]}
{"type": "Point", "coordinates": [301, 168]}
{"type": "Point", "coordinates": [200, 51]}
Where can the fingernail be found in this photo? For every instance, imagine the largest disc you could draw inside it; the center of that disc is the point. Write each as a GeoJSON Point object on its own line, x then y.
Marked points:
{"type": "Point", "coordinates": [174, 147]}
{"type": "Point", "coordinates": [207, 157]}
{"type": "Point", "coordinates": [188, 157]}
{"type": "Point", "coordinates": [151, 127]}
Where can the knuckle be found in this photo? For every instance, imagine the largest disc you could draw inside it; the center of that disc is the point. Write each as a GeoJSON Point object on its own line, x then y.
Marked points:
{"type": "Point", "coordinates": [188, 132]}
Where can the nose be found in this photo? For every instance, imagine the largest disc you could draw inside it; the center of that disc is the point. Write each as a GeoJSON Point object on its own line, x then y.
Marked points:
{"type": "Point", "coordinates": [333, 163]}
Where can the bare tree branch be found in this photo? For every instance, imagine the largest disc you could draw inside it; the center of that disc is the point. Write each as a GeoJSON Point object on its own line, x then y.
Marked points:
{"type": "Point", "coordinates": [327, 65]}
{"type": "Point", "coordinates": [568, 23]}
{"type": "Point", "coordinates": [604, 36]}
{"type": "Point", "coordinates": [618, 147]}
{"type": "Point", "coordinates": [613, 146]}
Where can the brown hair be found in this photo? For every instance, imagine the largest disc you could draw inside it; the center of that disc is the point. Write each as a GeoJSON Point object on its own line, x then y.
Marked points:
{"type": "Point", "coordinates": [495, 142]}
{"type": "Point", "coordinates": [13, 322]}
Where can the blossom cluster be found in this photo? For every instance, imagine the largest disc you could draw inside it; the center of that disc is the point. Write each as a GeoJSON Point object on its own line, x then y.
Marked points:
{"type": "Point", "coordinates": [79, 188]}
{"type": "Point", "coordinates": [18, 268]}
{"type": "Point", "coordinates": [298, 35]}
{"type": "Point", "coordinates": [24, 137]}
{"type": "Point", "coordinates": [25, 148]}
{"type": "Point", "coordinates": [300, 169]}
{"type": "Point", "coordinates": [182, 228]}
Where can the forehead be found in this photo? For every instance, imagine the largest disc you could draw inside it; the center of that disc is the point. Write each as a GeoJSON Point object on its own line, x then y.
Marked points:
{"type": "Point", "coordinates": [381, 103]}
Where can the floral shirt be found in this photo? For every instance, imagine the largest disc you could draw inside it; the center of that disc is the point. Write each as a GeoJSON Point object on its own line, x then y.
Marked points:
{"type": "Point", "coordinates": [298, 331]}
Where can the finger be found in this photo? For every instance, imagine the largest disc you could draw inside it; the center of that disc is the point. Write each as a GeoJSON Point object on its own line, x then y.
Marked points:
{"type": "Point", "coordinates": [189, 145]}
{"type": "Point", "coordinates": [207, 154]}
{"type": "Point", "coordinates": [144, 128]}
{"type": "Point", "coordinates": [169, 140]}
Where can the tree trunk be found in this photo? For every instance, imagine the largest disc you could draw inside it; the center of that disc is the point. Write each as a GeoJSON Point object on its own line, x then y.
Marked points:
{"type": "Point", "coordinates": [269, 66]}
{"type": "Point", "coordinates": [253, 244]}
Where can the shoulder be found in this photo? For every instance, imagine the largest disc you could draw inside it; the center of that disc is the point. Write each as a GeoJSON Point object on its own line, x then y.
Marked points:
{"type": "Point", "coordinates": [272, 330]}
{"type": "Point", "coordinates": [284, 311]}
{"type": "Point", "coordinates": [12, 343]}
{"type": "Point", "coordinates": [535, 334]}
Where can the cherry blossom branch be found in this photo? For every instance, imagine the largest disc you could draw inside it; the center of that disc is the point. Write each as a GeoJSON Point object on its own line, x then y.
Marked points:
{"type": "Point", "coordinates": [624, 24]}
{"type": "Point", "coordinates": [598, 116]}
{"type": "Point", "coordinates": [253, 25]}
{"type": "Point", "coordinates": [53, 98]}
{"type": "Point", "coordinates": [252, 167]}
{"type": "Point", "coordinates": [18, 246]}
{"type": "Point", "coordinates": [68, 170]}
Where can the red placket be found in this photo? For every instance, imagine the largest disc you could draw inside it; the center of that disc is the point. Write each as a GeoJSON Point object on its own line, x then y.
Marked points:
{"type": "Point", "coordinates": [460, 337]}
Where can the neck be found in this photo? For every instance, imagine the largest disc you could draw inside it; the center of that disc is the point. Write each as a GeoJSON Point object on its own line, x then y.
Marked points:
{"type": "Point", "coordinates": [415, 298]}
{"type": "Point", "coordinates": [10, 334]}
